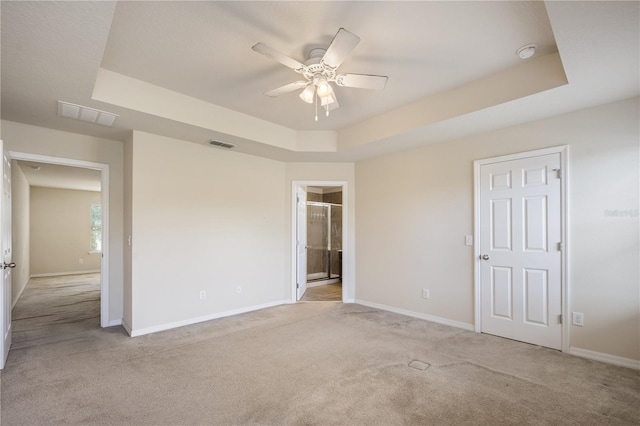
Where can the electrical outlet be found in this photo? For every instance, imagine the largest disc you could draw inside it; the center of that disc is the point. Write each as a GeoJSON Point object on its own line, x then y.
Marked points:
{"type": "Point", "coordinates": [81, 261]}
{"type": "Point", "coordinates": [578, 319]}
{"type": "Point", "coordinates": [425, 293]}
{"type": "Point", "coordinates": [203, 294]}
{"type": "Point", "coordinates": [238, 289]}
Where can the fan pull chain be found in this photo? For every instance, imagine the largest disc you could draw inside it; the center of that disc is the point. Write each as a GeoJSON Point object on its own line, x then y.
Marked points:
{"type": "Point", "coordinates": [316, 107]}
{"type": "Point", "coordinates": [327, 108]}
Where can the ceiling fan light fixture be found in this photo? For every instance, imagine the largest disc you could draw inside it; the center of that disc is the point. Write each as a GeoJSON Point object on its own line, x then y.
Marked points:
{"type": "Point", "coordinates": [308, 93]}
{"type": "Point", "coordinates": [323, 87]}
{"type": "Point", "coordinates": [328, 98]}
{"type": "Point", "coordinates": [320, 70]}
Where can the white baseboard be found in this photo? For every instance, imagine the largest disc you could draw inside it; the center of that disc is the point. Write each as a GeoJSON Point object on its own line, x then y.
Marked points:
{"type": "Point", "coordinates": [126, 327]}
{"type": "Point", "coordinates": [603, 357]}
{"type": "Point", "coordinates": [323, 282]}
{"type": "Point", "coordinates": [15, 302]}
{"type": "Point", "coordinates": [432, 318]}
{"type": "Point", "coordinates": [60, 274]}
{"type": "Point", "coordinates": [176, 324]}
{"type": "Point", "coordinates": [316, 276]}
{"type": "Point", "coordinates": [115, 322]}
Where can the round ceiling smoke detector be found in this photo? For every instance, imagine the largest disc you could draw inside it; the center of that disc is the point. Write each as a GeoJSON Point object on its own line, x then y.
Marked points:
{"type": "Point", "coordinates": [525, 52]}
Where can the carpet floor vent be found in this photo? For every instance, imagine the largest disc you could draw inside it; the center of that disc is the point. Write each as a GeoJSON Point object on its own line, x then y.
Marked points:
{"type": "Point", "coordinates": [419, 365]}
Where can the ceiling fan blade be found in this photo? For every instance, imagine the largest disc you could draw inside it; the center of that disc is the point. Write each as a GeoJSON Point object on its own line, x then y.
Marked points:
{"type": "Point", "coordinates": [287, 88]}
{"type": "Point", "coordinates": [362, 81]}
{"type": "Point", "coordinates": [343, 43]}
{"type": "Point", "coordinates": [277, 56]}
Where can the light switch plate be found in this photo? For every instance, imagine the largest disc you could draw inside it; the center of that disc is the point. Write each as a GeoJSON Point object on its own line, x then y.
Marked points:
{"type": "Point", "coordinates": [468, 240]}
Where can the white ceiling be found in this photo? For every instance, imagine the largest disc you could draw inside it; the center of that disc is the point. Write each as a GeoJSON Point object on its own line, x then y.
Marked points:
{"type": "Point", "coordinates": [452, 69]}
{"type": "Point", "coordinates": [417, 44]}
{"type": "Point", "coordinates": [57, 176]}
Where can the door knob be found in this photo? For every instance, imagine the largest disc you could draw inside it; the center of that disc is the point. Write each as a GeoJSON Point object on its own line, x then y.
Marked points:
{"type": "Point", "coordinates": [9, 265]}
{"type": "Point", "coordinates": [484, 257]}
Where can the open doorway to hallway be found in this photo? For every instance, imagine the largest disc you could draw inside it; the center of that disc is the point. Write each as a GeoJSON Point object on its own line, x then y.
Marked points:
{"type": "Point", "coordinates": [58, 244]}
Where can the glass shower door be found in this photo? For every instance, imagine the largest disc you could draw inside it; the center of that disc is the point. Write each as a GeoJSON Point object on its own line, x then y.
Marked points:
{"type": "Point", "coordinates": [317, 241]}
{"type": "Point", "coordinates": [335, 242]}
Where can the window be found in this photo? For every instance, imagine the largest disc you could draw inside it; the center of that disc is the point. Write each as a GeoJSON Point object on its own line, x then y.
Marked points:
{"type": "Point", "coordinates": [96, 228]}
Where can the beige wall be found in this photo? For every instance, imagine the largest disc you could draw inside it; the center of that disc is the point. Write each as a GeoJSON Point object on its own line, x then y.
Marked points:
{"type": "Point", "coordinates": [20, 212]}
{"type": "Point", "coordinates": [23, 138]}
{"type": "Point", "coordinates": [203, 219]}
{"type": "Point", "coordinates": [198, 216]}
{"type": "Point", "coordinates": [414, 209]}
{"type": "Point", "coordinates": [61, 231]}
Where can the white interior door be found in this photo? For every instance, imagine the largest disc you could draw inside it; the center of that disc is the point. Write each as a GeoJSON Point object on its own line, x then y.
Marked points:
{"type": "Point", "coordinates": [520, 250]}
{"type": "Point", "coordinates": [301, 242]}
{"type": "Point", "coordinates": [6, 264]}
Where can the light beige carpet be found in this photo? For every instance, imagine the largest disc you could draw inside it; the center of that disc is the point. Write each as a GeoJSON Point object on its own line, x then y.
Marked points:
{"type": "Point", "coordinates": [310, 364]}
{"type": "Point", "coordinates": [52, 307]}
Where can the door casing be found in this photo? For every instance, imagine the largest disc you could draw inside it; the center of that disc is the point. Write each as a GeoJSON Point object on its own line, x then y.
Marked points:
{"type": "Point", "coordinates": [564, 232]}
{"type": "Point", "coordinates": [346, 283]}
{"type": "Point", "coordinates": [105, 321]}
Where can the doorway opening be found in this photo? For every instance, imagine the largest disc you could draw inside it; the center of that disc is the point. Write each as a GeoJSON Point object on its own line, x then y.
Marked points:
{"type": "Point", "coordinates": [83, 283]}
{"type": "Point", "coordinates": [319, 241]}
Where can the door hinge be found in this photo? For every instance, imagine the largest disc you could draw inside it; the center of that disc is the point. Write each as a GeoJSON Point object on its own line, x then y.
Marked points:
{"type": "Point", "coordinates": [297, 285]}
{"type": "Point", "coordinates": [558, 173]}
{"type": "Point", "coordinates": [560, 319]}
{"type": "Point", "coordinates": [560, 246]}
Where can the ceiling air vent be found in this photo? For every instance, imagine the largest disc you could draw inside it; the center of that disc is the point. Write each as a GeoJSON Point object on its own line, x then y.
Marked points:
{"type": "Point", "coordinates": [221, 144]}
{"type": "Point", "coordinates": [90, 115]}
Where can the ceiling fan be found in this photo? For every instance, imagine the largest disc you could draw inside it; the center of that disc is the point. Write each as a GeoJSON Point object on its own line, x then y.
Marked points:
{"type": "Point", "coordinates": [320, 69]}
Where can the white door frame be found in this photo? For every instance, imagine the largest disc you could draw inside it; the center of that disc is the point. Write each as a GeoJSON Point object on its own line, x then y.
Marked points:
{"type": "Point", "coordinates": [345, 243]}
{"type": "Point", "coordinates": [104, 200]}
{"type": "Point", "coordinates": [564, 232]}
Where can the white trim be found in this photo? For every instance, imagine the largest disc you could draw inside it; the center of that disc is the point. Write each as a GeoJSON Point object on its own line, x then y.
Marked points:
{"type": "Point", "coordinates": [176, 324]}
{"type": "Point", "coordinates": [126, 327]}
{"type": "Point", "coordinates": [60, 274]}
{"type": "Point", "coordinates": [321, 203]}
{"type": "Point", "coordinates": [104, 198]}
{"type": "Point", "coordinates": [15, 302]}
{"type": "Point", "coordinates": [316, 276]}
{"type": "Point", "coordinates": [116, 322]}
{"type": "Point", "coordinates": [603, 357]}
{"type": "Point", "coordinates": [419, 315]}
{"type": "Point", "coordinates": [346, 283]}
{"type": "Point", "coordinates": [323, 282]}
{"type": "Point", "coordinates": [104, 282]}
{"type": "Point", "coordinates": [563, 150]}
{"type": "Point", "coordinates": [564, 267]}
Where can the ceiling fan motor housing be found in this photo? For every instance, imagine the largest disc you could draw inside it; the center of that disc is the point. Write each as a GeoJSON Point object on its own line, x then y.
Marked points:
{"type": "Point", "coordinates": [315, 68]}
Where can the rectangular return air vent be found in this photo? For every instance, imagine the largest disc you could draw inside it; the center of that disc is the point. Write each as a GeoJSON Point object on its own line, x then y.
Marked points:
{"type": "Point", "coordinates": [221, 144]}
{"type": "Point", "coordinates": [90, 115]}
